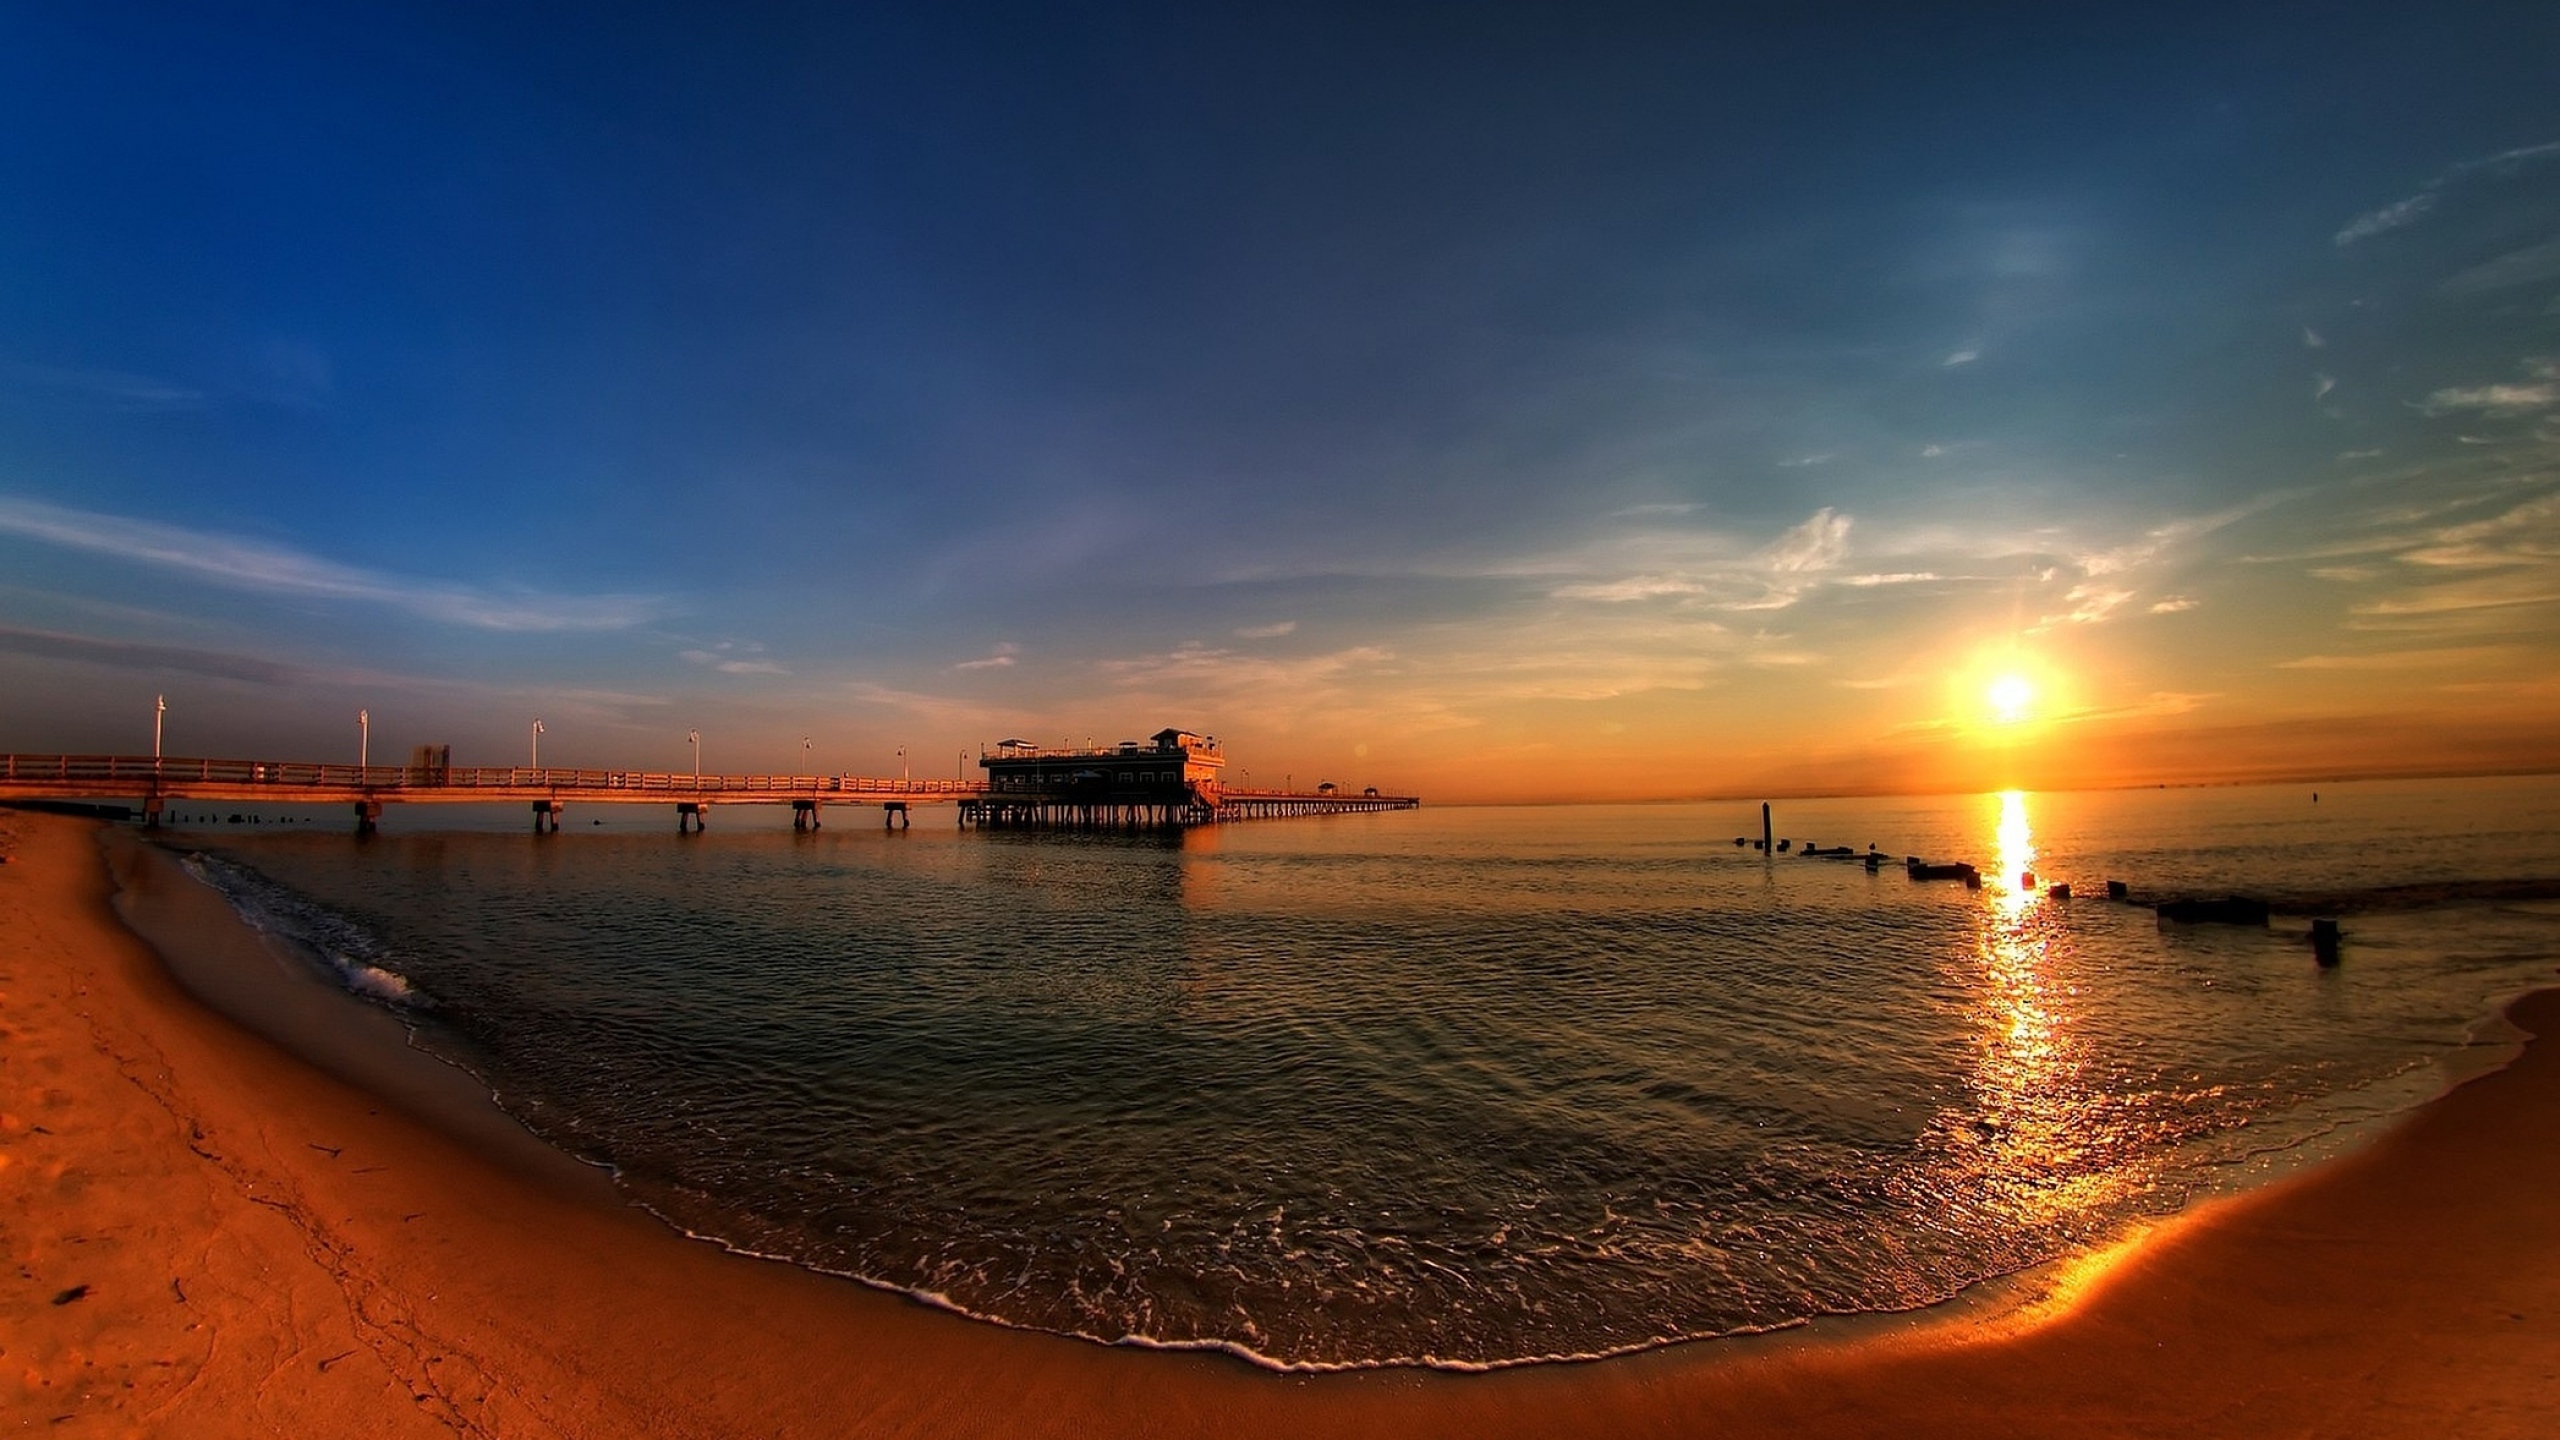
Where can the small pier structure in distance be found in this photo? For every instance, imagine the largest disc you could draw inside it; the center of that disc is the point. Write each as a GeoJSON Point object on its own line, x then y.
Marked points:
{"type": "Point", "coordinates": [1173, 780]}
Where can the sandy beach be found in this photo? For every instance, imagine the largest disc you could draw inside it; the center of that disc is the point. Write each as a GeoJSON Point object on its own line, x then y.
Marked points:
{"type": "Point", "coordinates": [212, 1236]}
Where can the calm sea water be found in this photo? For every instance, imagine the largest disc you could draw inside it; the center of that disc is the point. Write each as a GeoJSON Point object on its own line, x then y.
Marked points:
{"type": "Point", "coordinates": [1459, 1087]}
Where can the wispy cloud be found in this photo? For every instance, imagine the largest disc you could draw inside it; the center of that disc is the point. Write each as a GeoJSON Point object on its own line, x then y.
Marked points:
{"type": "Point", "coordinates": [1266, 632]}
{"type": "Point", "coordinates": [2174, 605]}
{"type": "Point", "coordinates": [2112, 578]}
{"type": "Point", "coordinates": [2402, 659]}
{"type": "Point", "coordinates": [2389, 217]}
{"type": "Point", "coordinates": [264, 567]}
{"type": "Point", "coordinates": [999, 658]}
{"type": "Point", "coordinates": [1966, 356]}
{"type": "Point", "coordinates": [113, 389]}
{"type": "Point", "coordinates": [2091, 604]}
{"type": "Point", "coordinates": [2529, 266]}
{"type": "Point", "coordinates": [2539, 391]}
{"type": "Point", "coordinates": [1817, 544]}
{"type": "Point", "coordinates": [734, 657]}
{"type": "Point", "coordinates": [1633, 587]}
{"type": "Point", "coordinates": [137, 655]}
{"type": "Point", "coordinates": [1708, 570]}
{"type": "Point", "coordinates": [2416, 207]}
{"type": "Point", "coordinates": [1900, 577]}
{"type": "Point", "coordinates": [147, 658]}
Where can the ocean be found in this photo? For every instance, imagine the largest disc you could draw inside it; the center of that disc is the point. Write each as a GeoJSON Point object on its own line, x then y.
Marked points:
{"type": "Point", "coordinates": [1454, 1087]}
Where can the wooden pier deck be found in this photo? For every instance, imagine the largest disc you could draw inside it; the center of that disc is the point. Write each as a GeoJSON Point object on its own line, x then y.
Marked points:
{"type": "Point", "coordinates": [148, 784]}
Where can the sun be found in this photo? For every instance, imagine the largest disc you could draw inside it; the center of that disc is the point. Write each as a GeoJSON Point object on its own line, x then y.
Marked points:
{"type": "Point", "coordinates": [2012, 698]}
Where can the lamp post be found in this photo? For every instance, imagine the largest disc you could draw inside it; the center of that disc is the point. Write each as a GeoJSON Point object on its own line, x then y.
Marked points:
{"type": "Point", "coordinates": [960, 772]}
{"type": "Point", "coordinates": [159, 707]}
{"type": "Point", "coordinates": [804, 755]}
{"type": "Point", "coordinates": [537, 742]}
{"type": "Point", "coordinates": [364, 740]}
{"type": "Point", "coordinates": [902, 764]}
{"type": "Point", "coordinates": [694, 738]}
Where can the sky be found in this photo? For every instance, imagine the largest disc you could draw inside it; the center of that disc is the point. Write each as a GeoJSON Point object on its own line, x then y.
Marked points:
{"type": "Point", "coordinates": [1495, 403]}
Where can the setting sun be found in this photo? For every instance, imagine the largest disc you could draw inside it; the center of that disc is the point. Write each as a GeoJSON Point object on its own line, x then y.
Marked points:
{"type": "Point", "coordinates": [2011, 696]}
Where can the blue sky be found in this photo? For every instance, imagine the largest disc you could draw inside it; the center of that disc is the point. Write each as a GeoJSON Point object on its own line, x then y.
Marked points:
{"type": "Point", "coordinates": [1497, 400]}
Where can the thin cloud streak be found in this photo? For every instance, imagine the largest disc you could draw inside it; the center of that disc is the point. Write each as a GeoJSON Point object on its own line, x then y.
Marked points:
{"type": "Point", "coordinates": [266, 568]}
{"type": "Point", "coordinates": [2410, 211]}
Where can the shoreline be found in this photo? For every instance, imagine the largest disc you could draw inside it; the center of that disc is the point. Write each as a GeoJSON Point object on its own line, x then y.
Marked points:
{"type": "Point", "coordinates": [365, 1272]}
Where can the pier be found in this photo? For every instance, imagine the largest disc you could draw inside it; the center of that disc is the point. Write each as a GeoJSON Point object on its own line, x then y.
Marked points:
{"type": "Point", "coordinates": [1128, 786]}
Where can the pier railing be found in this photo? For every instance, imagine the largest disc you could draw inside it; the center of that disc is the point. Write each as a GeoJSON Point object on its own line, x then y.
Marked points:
{"type": "Point", "coordinates": [146, 772]}
{"type": "Point", "coordinates": [159, 781]}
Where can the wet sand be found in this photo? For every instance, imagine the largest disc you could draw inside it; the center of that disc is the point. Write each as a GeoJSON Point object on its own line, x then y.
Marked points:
{"type": "Point", "coordinates": [210, 1236]}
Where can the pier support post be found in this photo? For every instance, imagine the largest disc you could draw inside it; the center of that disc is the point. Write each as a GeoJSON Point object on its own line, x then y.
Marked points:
{"type": "Point", "coordinates": [689, 816]}
{"type": "Point", "coordinates": [894, 815]}
{"type": "Point", "coordinates": [151, 812]}
{"type": "Point", "coordinates": [368, 816]}
{"type": "Point", "coordinates": [546, 816]}
{"type": "Point", "coordinates": [804, 814]}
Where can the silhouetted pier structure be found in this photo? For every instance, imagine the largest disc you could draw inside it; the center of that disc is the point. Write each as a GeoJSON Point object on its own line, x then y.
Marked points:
{"type": "Point", "coordinates": [1171, 784]}
{"type": "Point", "coordinates": [1172, 781]}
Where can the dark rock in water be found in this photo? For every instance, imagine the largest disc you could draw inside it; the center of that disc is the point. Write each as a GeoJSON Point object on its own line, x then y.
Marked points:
{"type": "Point", "coordinates": [2115, 890]}
{"type": "Point", "coordinates": [2324, 942]}
{"type": "Point", "coordinates": [1954, 870]}
{"type": "Point", "coordinates": [1783, 844]}
{"type": "Point", "coordinates": [2058, 892]}
{"type": "Point", "coordinates": [2223, 910]}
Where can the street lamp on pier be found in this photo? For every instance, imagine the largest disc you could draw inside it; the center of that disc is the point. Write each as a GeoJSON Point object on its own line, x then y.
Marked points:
{"type": "Point", "coordinates": [902, 764]}
{"type": "Point", "coordinates": [694, 738]}
{"type": "Point", "coordinates": [159, 707]}
{"type": "Point", "coordinates": [537, 742]}
{"type": "Point", "coordinates": [804, 756]}
{"type": "Point", "coordinates": [364, 739]}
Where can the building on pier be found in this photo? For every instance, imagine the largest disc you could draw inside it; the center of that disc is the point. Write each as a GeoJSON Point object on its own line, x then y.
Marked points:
{"type": "Point", "coordinates": [1172, 779]}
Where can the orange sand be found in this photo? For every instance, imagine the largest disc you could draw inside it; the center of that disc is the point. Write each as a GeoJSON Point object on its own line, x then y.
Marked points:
{"type": "Point", "coordinates": [266, 1249]}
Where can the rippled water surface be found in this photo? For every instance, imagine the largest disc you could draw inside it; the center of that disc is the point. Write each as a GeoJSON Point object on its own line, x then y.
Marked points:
{"type": "Point", "coordinates": [1457, 1086]}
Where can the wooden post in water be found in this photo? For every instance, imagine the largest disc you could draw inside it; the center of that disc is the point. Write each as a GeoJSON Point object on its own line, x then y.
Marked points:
{"type": "Point", "coordinates": [1766, 834]}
